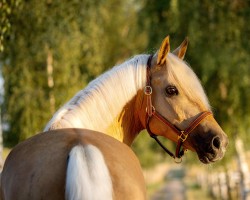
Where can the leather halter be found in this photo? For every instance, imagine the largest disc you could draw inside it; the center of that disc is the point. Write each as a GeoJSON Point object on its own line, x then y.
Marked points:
{"type": "Point", "coordinates": [151, 112]}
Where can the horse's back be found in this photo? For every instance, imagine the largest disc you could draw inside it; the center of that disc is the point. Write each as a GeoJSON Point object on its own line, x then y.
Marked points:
{"type": "Point", "coordinates": [37, 167]}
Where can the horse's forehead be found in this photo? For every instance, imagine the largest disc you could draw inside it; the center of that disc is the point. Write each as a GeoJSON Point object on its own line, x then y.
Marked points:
{"type": "Point", "coordinates": [184, 76]}
{"type": "Point", "coordinates": [179, 74]}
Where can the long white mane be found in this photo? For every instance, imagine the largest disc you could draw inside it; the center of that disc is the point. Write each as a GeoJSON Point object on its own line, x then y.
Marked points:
{"type": "Point", "coordinates": [96, 106]}
{"type": "Point", "coordinates": [107, 104]}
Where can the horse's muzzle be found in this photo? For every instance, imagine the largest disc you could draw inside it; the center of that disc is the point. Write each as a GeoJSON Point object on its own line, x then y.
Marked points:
{"type": "Point", "coordinates": [210, 145]}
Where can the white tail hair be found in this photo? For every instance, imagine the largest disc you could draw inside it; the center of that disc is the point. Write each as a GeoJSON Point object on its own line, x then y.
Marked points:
{"type": "Point", "coordinates": [87, 176]}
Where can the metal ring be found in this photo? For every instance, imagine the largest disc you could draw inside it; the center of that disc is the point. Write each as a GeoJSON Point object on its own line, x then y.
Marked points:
{"type": "Point", "coordinates": [148, 90]}
{"type": "Point", "coordinates": [178, 160]}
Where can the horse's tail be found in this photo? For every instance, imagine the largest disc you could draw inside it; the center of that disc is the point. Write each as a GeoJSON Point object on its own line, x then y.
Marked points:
{"type": "Point", "coordinates": [87, 175]}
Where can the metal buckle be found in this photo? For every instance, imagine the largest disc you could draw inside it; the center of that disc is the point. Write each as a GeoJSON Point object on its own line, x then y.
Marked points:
{"type": "Point", "coordinates": [182, 136]}
{"type": "Point", "coordinates": [148, 90]}
{"type": "Point", "coordinates": [178, 160]}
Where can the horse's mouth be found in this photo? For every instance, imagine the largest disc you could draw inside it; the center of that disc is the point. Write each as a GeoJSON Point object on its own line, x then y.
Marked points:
{"type": "Point", "coordinates": [208, 158]}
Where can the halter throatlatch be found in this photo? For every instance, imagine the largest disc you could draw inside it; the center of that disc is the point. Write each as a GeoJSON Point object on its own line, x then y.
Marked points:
{"type": "Point", "coordinates": [151, 112]}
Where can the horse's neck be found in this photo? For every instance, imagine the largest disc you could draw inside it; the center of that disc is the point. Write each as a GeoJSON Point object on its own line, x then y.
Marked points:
{"type": "Point", "coordinates": [127, 125]}
{"type": "Point", "coordinates": [109, 104]}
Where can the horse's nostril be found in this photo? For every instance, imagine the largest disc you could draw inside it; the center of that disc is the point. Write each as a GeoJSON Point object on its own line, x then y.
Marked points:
{"type": "Point", "coordinates": [216, 142]}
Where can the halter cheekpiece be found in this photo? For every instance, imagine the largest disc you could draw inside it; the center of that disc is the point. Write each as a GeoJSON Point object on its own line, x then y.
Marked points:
{"type": "Point", "coordinates": [151, 112]}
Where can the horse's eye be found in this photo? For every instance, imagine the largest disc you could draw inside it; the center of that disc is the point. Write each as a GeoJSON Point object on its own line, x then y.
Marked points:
{"type": "Point", "coordinates": [171, 91]}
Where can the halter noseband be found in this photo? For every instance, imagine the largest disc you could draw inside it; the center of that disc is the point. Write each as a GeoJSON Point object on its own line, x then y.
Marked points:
{"type": "Point", "coordinates": [151, 112]}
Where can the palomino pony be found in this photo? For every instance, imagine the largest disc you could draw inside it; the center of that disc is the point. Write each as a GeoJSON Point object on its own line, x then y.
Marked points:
{"type": "Point", "coordinates": [85, 152]}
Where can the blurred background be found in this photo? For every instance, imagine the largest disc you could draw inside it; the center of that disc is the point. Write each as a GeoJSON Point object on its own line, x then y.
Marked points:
{"type": "Point", "coordinates": [50, 49]}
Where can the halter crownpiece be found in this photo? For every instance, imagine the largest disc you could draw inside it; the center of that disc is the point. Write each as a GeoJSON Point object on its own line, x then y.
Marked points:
{"type": "Point", "coordinates": [151, 112]}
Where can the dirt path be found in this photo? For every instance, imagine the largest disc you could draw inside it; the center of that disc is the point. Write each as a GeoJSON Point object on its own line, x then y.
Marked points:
{"type": "Point", "coordinates": [173, 190]}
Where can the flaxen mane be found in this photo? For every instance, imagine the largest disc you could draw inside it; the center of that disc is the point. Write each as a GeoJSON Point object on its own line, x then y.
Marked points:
{"type": "Point", "coordinates": [103, 99]}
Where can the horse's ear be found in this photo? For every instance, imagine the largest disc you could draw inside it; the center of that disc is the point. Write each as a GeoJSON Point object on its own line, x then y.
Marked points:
{"type": "Point", "coordinates": [181, 50]}
{"type": "Point", "coordinates": [163, 51]}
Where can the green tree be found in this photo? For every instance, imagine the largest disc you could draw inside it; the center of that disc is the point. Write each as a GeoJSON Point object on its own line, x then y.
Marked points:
{"type": "Point", "coordinates": [55, 49]}
{"type": "Point", "coordinates": [78, 40]}
{"type": "Point", "coordinates": [6, 9]}
{"type": "Point", "coordinates": [33, 36]}
{"type": "Point", "coordinates": [218, 51]}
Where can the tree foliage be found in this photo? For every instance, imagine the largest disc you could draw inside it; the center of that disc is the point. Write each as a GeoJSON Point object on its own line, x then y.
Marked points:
{"type": "Point", "coordinates": [218, 52]}
{"type": "Point", "coordinates": [6, 8]}
{"type": "Point", "coordinates": [85, 38]}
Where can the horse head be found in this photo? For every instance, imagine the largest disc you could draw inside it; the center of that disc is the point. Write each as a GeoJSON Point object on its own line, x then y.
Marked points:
{"type": "Point", "coordinates": [177, 106]}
